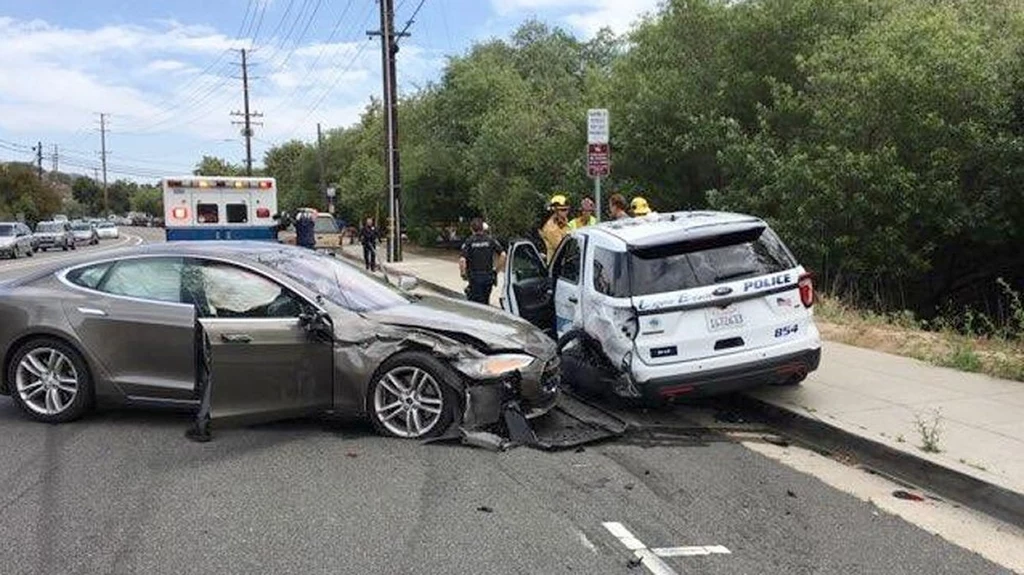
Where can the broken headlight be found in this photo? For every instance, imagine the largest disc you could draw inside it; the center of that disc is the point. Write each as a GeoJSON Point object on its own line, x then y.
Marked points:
{"type": "Point", "coordinates": [493, 365]}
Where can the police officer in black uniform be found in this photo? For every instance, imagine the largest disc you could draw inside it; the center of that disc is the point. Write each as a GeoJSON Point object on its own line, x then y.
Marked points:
{"type": "Point", "coordinates": [477, 262]}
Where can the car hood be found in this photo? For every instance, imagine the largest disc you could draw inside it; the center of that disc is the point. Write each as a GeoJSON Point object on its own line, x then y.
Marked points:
{"type": "Point", "coordinates": [490, 327]}
{"type": "Point", "coordinates": [7, 240]}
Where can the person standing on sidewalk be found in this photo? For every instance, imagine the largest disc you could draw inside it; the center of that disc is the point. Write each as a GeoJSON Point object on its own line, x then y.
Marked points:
{"type": "Point", "coordinates": [476, 264]}
{"type": "Point", "coordinates": [586, 217]}
{"type": "Point", "coordinates": [369, 237]}
{"type": "Point", "coordinates": [617, 207]}
{"type": "Point", "coordinates": [304, 224]}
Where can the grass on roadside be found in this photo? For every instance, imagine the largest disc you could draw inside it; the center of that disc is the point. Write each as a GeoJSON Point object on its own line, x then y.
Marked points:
{"type": "Point", "coordinates": [1000, 355]}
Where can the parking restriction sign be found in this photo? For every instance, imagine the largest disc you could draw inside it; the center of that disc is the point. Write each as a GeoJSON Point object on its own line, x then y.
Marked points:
{"type": "Point", "coordinates": [598, 160]}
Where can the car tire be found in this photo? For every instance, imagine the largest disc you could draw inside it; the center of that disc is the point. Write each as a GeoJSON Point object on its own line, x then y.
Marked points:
{"type": "Point", "coordinates": [56, 369]}
{"type": "Point", "coordinates": [30, 252]}
{"type": "Point", "coordinates": [411, 396]}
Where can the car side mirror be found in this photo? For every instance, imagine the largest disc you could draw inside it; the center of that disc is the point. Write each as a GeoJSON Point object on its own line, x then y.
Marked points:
{"type": "Point", "coordinates": [317, 323]}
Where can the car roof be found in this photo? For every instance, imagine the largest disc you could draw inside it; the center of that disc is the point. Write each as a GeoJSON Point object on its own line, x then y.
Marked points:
{"type": "Point", "coordinates": [671, 227]}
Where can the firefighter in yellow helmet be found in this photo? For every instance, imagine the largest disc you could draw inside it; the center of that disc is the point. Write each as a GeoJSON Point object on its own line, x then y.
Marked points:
{"type": "Point", "coordinates": [639, 207]}
{"type": "Point", "coordinates": [557, 225]}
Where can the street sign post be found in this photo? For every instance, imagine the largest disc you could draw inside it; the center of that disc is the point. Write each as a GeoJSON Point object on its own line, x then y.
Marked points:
{"type": "Point", "coordinates": [598, 153]}
{"type": "Point", "coordinates": [331, 191]}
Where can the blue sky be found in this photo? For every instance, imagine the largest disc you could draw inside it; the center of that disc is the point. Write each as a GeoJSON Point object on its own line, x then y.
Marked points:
{"type": "Point", "coordinates": [164, 70]}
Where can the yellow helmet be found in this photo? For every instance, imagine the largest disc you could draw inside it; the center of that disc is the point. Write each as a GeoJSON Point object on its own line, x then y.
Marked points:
{"type": "Point", "coordinates": [558, 201]}
{"type": "Point", "coordinates": [639, 206]}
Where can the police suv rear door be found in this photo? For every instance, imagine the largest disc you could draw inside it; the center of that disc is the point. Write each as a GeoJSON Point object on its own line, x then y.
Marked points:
{"type": "Point", "coordinates": [718, 294]}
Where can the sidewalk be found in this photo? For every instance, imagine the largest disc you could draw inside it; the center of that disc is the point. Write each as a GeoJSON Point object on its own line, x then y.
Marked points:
{"type": "Point", "coordinates": [874, 396]}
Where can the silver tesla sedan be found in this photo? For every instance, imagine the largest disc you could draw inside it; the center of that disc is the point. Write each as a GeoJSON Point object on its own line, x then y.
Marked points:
{"type": "Point", "coordinates": [248, 332]}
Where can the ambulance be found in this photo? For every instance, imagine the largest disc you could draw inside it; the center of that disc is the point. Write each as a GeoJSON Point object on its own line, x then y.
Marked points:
{"type": "Point", "coordinates": [220, 208]}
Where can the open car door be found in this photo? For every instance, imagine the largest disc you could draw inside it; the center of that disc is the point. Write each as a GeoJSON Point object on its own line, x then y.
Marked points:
{"type": "Point", "coordinates": [255, 371]}
{"type": "Point", "coordinates": [527, 291]}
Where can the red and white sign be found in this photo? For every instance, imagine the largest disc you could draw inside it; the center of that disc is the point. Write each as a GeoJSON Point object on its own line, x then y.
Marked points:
{"type": "Point", "coordinates": [599, 161]}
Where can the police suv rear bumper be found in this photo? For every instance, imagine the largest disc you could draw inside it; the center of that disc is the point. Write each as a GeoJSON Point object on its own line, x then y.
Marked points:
{"type": "Point", "coordinates": [767, 371]}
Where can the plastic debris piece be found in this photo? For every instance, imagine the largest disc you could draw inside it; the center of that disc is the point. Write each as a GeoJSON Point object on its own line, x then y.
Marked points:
{"type": "Point", "coordinates": [485, 440]}
{"type": "Point", "coordinates": [776, 440]}
{"type": "Point", "coordinates": [351, 454]}
{"type": "Point", "coordinates": [635, 562]}
{"type": "Point", "coordinates": [485, 509]}
{"type": "Point", "coordinates": [790, 493]}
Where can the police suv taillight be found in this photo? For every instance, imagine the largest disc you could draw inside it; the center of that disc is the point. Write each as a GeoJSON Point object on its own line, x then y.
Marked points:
{"type": "Point", "coordinates": [806, 285]}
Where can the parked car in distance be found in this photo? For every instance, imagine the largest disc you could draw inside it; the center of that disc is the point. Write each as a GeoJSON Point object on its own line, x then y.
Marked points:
{"type": "Point", "coordinates": [54, 235]}
{"type": "Point", "coordinates": [60, 218]}
{"type": "Point", "coordinates": [15, 240]}
{"type": "Point", "coordinates": [107, 230]}
{"type": "Point", "coordinates": [672, 305]}
{"type": "Point", "coordinates": [85, 233]}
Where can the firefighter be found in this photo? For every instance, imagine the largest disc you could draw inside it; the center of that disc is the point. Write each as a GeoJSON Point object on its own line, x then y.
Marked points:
{"type": "Point", "coordinates": [476, 263]}
{"type": "Point", "coordinates": [586, 217]}
{"type": "Point", "coordinates": [639, 207]}
{"type": "Point", "coordinates": [557, 225]}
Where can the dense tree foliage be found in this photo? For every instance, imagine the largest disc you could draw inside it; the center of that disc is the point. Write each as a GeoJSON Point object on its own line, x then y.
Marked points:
{"type": "Point", "coordinates": [23, 194]}
{"type": "Point", "coordinates": [883, 138]}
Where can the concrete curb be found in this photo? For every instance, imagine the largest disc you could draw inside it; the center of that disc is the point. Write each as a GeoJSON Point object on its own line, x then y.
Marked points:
{"type": "Point", "coordinates": [998, 502]}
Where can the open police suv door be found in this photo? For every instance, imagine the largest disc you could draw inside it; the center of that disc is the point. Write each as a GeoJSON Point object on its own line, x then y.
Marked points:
{"type": "Point", "coordinates": [527, 286]}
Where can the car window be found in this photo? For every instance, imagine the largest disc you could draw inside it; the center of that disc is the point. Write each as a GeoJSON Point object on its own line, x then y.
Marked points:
{"type": "Point", "coordinates": [341, 283]}
{"type": "Point", "coordinates": [90, 276]}
{"type": "Point", "coordinates": [230, 291]}
{"type": "Point", "coordinates": [6, 230]}
{"type": "Point", "coordinates": [567, 262]}
{"type": "Point", "coordinates": [325, 226]}
{"type": "Point", "coordinates": [49, 227]}
{"type": "Point", "coordinates": [526, 263]}
{"type": "Point", "coordinates": [207, 213]}
{"type": "Point", "coordinates": [671, 268]}
{"type": "Point", "coordinates": [237, 213]}
{"type": "Point", "coordinates": [610, 273]}
{"type": "Point", "coordinates": [157, 279]}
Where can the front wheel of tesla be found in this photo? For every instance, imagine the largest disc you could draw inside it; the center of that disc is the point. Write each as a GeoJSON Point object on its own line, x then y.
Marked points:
{"type": "Point", "coordinates": [50, 381]}
{"type": "Point", "coordinates": [411, 397]}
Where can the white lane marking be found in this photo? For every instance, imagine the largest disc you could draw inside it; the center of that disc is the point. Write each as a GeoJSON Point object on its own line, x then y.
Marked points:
{"type": "Point", "coordinates": [648, 559]}
{"type": "Point", "coordinates": [587, 542]}
{"type": "Point", "coordinates": [691, 551]}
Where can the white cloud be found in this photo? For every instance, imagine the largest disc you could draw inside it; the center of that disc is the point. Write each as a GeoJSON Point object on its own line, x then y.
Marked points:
{"type": "Point", "coordinates": [586, 16]}
{"type": "Point", "coordinates": [170, 87]}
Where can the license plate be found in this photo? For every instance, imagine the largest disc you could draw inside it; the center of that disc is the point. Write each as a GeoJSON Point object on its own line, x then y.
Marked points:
{"type": "Point", "coordinates": [719, 319]}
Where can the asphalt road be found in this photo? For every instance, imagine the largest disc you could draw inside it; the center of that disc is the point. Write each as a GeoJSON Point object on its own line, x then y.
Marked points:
{"type": "Point", "coordinates": [125, 492]}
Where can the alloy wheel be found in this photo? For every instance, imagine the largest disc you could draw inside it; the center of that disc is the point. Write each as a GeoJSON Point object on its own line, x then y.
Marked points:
{"type": "Point", "coordinates": [47, 381]}
{"type": "Point", "coordinates": [408, 402]}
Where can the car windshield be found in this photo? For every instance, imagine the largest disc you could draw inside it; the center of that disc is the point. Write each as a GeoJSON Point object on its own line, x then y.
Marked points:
{"type": "Point", "coordinates": [105, 225]}
{"type": "Point", "coordinates": [688, 265]}
{"type": "Point", "coordinates": [6, 230]}
{"type": "Point", "coordinates": [81, 227]}
{"type": "Point", "coordinates": [325, 226]}
{"type": "Point", "coordinates": [49, 227]}
{"type": "Point", "coordinates": [337, 281]}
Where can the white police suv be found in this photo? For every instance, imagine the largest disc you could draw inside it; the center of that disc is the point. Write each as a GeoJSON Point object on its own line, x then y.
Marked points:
{"type": "Point", "coordinates": [672, 305]}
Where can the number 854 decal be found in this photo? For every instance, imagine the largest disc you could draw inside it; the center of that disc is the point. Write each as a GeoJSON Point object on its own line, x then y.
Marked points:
{"type": "Point", "coordinates": [788, 330]}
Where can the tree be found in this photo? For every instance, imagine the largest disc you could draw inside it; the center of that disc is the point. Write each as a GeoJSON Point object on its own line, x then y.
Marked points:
{"type": "Point", "coordinates": [214, 166]}
{"type": "Point", "coordinates": [148, 200]}
{"type": "Point", "coordinates": [23, 194]}
{"type": "Point", "coordinates": [88, 193]}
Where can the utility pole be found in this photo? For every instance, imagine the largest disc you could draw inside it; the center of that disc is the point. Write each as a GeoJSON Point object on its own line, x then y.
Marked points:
{"type": "Point", "coordinates": [320, 160]}
{"type": "Point", "coordinates": [38, 149]}
{"type": "Point", "coordinates": [389, 47]}
{"type": "Point", "coordinates": [103, 159]}
{"type": "Point", "coordinates": [246, 115]}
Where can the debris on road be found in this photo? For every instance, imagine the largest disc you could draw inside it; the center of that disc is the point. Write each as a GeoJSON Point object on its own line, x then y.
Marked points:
{"type": "Point", "coordinates": [900, 494]}
{"type": "Point", "coordinates": [776, 440]}
{"type": "Point", "coordinates": [790, 493]}
{"type": "Point", "coordinates": [485, 509]}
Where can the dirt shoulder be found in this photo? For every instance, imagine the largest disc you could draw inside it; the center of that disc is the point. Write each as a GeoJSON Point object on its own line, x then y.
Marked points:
{"type": "Point", "coordinates": [901, 335]}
